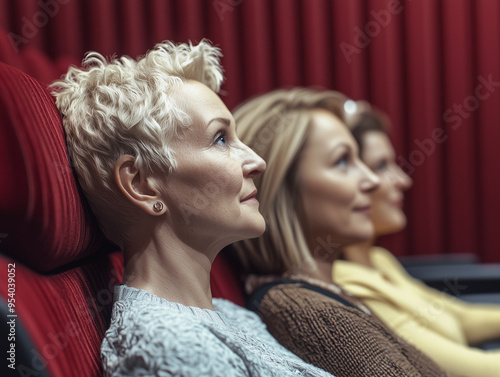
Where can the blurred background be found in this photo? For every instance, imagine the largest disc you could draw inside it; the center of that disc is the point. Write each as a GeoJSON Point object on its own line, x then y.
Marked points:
{"type": "Point", "coordinates": [432, 65]}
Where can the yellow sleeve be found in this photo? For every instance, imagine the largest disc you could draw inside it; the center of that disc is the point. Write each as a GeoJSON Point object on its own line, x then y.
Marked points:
{"type": "Point", "coordinates": [480, 322]}
{"type": "Point", "coordinates": [456, 358]}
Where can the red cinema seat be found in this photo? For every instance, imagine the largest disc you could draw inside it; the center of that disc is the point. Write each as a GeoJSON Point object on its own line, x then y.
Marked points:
{"type": "Point", "coordinates": [60, 268]}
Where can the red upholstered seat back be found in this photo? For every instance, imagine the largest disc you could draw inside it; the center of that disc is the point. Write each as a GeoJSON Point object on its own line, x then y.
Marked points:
{"type": "Point", "coordinates": [65, 314]}
{"type": "Point", "coordinates": [64, 270]}
{"type": "Point", "coordinates": [224, 281]}
{"type": "Point", "coordinates": [46, 225]}
{"type": "Point", "coordinates": [45, 222]}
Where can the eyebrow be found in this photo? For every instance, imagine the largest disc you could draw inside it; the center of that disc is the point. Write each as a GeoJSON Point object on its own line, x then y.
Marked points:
{"type": "Point", "coordinates": [225, 121]}
{"type": "Point", "coordinates": [339, 146]}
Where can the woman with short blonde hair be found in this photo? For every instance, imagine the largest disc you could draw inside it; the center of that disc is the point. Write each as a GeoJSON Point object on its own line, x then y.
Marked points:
{"type": "Point", "coordinates": [156, 152]}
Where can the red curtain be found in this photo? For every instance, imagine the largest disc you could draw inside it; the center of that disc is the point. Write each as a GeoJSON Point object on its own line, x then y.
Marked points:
{"type": "Point", "coordinates": [432, 65]}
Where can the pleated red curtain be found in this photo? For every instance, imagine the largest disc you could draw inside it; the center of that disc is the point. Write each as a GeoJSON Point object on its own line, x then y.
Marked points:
{"type": "Point", "coordinates": [432, 65]}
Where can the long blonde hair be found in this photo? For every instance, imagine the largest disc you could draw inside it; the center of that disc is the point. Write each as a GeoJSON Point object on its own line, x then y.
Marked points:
{"type": "Point", "coordinates": [276, 126]}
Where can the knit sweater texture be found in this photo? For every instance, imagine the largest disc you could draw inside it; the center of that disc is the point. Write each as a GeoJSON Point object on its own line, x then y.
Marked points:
{"type": "Point", "coordinates": [339, 338]}
{"type": "Point", "coordinates": [150, 336]}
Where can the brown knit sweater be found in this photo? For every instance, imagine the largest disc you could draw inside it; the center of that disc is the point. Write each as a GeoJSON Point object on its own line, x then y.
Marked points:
{"type": "Point", "coordinates": [337, 337]}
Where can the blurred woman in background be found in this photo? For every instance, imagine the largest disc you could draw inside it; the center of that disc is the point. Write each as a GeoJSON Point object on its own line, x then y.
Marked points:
{"type": "Point", "coordinates": [315, 198]}
{"type": "Point", "coordinates": [441, 326]}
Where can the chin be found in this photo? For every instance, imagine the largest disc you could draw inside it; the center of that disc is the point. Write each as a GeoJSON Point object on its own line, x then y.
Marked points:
{"type": "Point", "coordinates": [394, 225]}
{"type": "Point", "coordinates": [259, 228]}
{"type": "Point", "coordinates": [360, 236]}
{"type": "Point", "coordinates": [399, 222]}
{"type": "Point", "coordinates": [254, 229]}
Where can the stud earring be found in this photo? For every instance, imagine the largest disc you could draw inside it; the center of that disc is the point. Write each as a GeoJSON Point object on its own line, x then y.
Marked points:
{"type": "Point", "coordinates": [158, 207]}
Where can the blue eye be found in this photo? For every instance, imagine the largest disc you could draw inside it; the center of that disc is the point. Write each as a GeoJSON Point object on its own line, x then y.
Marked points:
{"type": "Point", "coordinates": [342, 161]}
{"type": "Point", "coordinates": [381, 166]}
{"type": "Point", "coordinates": [221, 138]}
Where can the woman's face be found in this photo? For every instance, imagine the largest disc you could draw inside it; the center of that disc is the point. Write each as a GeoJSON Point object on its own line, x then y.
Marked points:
{"type": "Point", "coordinates": [211, 193]}
{"type": "Point", "coordinates": [335, 185]}
{"type": "Point", "coordinates": [387, 201]}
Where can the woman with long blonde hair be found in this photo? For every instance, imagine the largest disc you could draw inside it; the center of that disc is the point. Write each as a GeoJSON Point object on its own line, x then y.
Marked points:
{"type": "Point", "coordinates": [315, 198]}
{"type": "Point", "coordinates": [443, 327]}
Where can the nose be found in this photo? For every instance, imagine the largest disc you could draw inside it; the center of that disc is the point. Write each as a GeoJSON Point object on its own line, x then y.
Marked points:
{"type": "Point", "coordinates": [253, 164]}
{"type": "Point", "coordinates": [403, 180]}
{"type": "Point", "coordinates": [369, 181]}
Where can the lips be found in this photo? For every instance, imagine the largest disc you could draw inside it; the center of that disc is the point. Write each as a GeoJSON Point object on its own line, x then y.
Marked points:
{"type": "Point", "coordinates": [250, 196]}
{"type": "Point", "coordinates": [398, 203]}
{"type": "Point", "coordinates": [398, 200]}
{"type": "Point", "coordinates": [363, 209]}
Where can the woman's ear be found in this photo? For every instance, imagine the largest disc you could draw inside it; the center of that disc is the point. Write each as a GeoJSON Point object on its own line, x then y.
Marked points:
{"type": "Point", "coordinates": [137, 187]}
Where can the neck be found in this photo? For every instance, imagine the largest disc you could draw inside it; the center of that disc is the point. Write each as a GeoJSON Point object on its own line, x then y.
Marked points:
{"type": "Point", "coordinates": [324, 251]}
{"type": "Point", "coordinates": [359, 253]}
{"type": "Point", "coordinates": [323, 271]}
{"type": "Point", "coordinates": [167, 267]}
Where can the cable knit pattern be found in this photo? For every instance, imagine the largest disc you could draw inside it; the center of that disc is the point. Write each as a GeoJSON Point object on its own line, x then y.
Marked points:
{"type": "Point", "coordinates": [340, 339]}
{"type": "Point", "coordinates": [150, 336]}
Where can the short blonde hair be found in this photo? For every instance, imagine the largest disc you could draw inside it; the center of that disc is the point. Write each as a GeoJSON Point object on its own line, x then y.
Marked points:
{"type": "Point", "coordinates": [125, 106]}
{"type": "Point", "coordinates": [276, 126]}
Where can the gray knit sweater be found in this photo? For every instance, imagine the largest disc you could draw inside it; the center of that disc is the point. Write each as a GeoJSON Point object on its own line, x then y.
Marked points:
{"type": "Point", "coordinates": [150, 336]}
